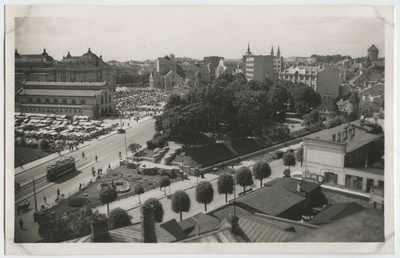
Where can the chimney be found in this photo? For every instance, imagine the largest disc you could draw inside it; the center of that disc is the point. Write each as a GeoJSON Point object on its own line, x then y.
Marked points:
{"type": "Point", "coordinates": [148, 224]}
{"type": "Point", "coordinates": [339, 137]}
{"type": "Point", "coordinates": [298, 188]}
{"type": "Point", "coordinates": [99, 230]}
{"type": "Point", "coordinates": [101, 57]}
{"type": "Point", "coordinates": [344, 135]}
{"type": "Point", "coordinates": [349, 131]}
{"type": "Point", "coordinates": [333, 137]}
{"type": "Point", "coordinates": [353, 132]}
{"type": "Point", "coordinates": [233, 223]}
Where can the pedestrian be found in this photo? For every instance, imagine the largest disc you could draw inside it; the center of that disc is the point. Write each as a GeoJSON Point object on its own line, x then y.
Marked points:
{"type": "Point", "coordinates": [120, 154]}
{"type": "Point", "coordinates": [232, 164]}
{"type": "Point", "coordinates": [95, 158]}
{"type": "Point", "coordinates": [80, 186]}
{"type": "Point", "coordinates": [21, 224]}
{"type": "Point", "coordinates": [83, 155]}
{"type": "Point", "coordinates": [58, 192]}
{"type": "Point", "coordinates": [128, 124]}
{"type": "Point", "coordinates": [45, 199]}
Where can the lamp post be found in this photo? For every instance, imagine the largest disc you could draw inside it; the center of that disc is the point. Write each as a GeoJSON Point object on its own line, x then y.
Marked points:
{"type": "Point", "coordinates": [34, 193]}
{"type": "Point", "coordinates": [126, 150]}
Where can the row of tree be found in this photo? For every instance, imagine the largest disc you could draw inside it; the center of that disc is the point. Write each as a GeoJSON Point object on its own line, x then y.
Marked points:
{"type": "Point", "coordinates": [133, 79]}
{"type": "Point", "coordinates": [231, 105]}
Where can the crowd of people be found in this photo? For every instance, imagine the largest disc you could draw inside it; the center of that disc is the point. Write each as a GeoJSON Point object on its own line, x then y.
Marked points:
{"type": "Point", "coordinates": [140, 103]}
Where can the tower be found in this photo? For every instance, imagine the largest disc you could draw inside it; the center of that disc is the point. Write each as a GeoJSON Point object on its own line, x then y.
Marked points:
{"type": "Point", "coordinates": [354, 102]}
{"type": "Point", "coordinates": [248, 53]}
{"type": "Point", "coordinates": [279, 52]}
{"type": "Point", "coordinates": [272, 50]}
{"type": "Point", "coordinates": [373, 53]}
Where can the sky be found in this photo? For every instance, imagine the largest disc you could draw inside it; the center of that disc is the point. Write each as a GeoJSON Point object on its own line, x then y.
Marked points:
{"type": "Point", "coordinates": [146, 32]}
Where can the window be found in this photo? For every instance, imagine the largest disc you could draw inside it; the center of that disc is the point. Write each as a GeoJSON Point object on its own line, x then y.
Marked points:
{"type": "Point", "coordinates": [73, 101]}
{"type": "Point", "coordinates": [47, 100]}
{"type": "Point", "coordinates": [106, 97]}
{"type": "Point", "coordinates": [102, 100]}
{"type": "Point", "coordinates": [331, 178]}
{"type": "Point", "coordinates": [39, 101]}
{"type": "Point", "coordinates": [65, 101]}
{"type": "Point", "coordinates": [30, 100]}
{"type": "Point", "coordinates": [354, 182]}
{"type": "Point", "coordinates": [109, 98]}
{"type": "Point", "coordinates": [55, 101]}
{"type": "Point", "coordinates": [83, 102]}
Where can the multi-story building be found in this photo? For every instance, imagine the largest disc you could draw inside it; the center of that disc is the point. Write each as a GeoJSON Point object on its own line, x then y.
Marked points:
{"type": "Point", "coordinates": [324, 79]}
{"type": "Point", "coordinates": [340, 156]}
{"type": "Point", "coordinates": [259, 67]}
{"type": "Point", "coordinates": [214, 61]}
{"type": "Point", "coordinates": [166, 64]}
{"type": "Point", "coordinates": [36, 67]}
{"type": "Point", "coordinates": [299, 60]}
{"type": "Point", "coordinates": [278, 62]}
{"type": "Point", "coordinates": [123, 68]}
{"type": "Point", "coordinates": [93, 99]}
{"type": "Point", "coordinates": [229, 66]}
{"type": "Point", "coordinates": [86, 68]}
{"type": "Point", "coordinates": [164, 82]}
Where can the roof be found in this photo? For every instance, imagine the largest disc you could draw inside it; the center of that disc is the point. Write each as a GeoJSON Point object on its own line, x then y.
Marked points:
{"type": "Point", "coordinates": [328, 103]}
{"type": "Point", "coordinates": [364, 226]}
{"type": "Point", "coordinates": [376, 76]}
{"type": "Point", "coordinates": [377, 89]}
{"type": "Point", "coordinates": [34, 83]}
{"type": "Point", "coordinates": [353, 98]}
{"type": "Point", "coordinates": [272, 200]}
{"type": "Point", "coordinates": [373, 48]}
{"type": "Point", "coordinates": [59, 92]}
{"type": "Point", "coordinates": [290, 184]}
{"type": "Point", "coordinates": [371, 104]}
{"type": "Point", "coordinates": [223, 235]}
{"type": "Point", "coordinates": [198, 223]}
{"type": "Point", "coordinates": [336, 212]}
{"type": "Point", "coordinates": [129, 234]}
{"type": "Point", "coordinates": [361, 137]}
{"type": "Point", "coordinates": [173, 228]}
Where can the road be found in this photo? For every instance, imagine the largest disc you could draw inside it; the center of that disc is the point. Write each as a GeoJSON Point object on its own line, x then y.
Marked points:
{"type": "Point", "coordinates": [106, 150]}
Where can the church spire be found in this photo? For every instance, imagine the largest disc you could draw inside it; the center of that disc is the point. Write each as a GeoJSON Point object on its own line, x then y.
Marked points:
{"type": "Point", "coordinates": [279, 52]}
{"type": "Point", "coordinates": [272, 50]}
{"type": "Point", "coordinates": [248, 47]}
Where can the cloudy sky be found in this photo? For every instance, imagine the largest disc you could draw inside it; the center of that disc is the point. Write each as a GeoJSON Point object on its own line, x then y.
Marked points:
{"type": "Point", "coordinates": [143, 32]}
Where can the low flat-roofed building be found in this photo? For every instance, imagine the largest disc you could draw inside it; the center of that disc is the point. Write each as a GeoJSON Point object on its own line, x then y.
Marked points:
{"type": "Point", "coordinates": [93, 99]}
{"type": "Point", "coordinates": [342, 155]}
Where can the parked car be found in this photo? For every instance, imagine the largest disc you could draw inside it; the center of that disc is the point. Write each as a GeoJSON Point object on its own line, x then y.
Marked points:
{"type": "Point", "coordinates": [120, 130]}
{"type": "Point", "coordinates": [278, 154]}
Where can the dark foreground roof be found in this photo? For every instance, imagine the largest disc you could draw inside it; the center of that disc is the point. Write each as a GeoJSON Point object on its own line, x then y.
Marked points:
{"type": "Point", "coordinates": [290, 184]}
{"type": "Point", "coordinates": [336, 212]}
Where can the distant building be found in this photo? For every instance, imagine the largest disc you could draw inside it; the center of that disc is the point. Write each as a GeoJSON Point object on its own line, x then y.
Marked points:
{"type": "Point", "coordinates": [228, 66]}
{"type": "Point", "coordinates": [214, 61]}
{"type": "Point", "coordinates": [86, 68]}
{"type": "Point", "coordinates": [166, 82]}
{"type": "Point", "coordinates": [93, 99]}
{"type": "Point", "coordinates": [298, 60]}
{"type": "Point", "coordinates": [324, 79]}
{"type": "Point", "coordinates": [278, 63]}
{"type": "Point", "coordinates": [259, 67]}
{"type": "Point", "coordinates": [340, 156]}
{"type": "Point", "coordinates": [166, 64]}
{"type": "Point", "coordinates": [123, 68]}
{"type": "Point", "coordinates": [373, 53]}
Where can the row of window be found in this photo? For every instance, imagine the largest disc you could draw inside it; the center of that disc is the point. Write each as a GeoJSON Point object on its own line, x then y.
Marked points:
{"type": "Point", "coordinates": [56, 101]}
{"type": "Point", "coordinates": [51, 110]}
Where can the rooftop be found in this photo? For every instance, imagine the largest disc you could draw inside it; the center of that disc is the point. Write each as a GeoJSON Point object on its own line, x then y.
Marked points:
{"type": "Point", "coordinates": [352, 143]}
{"type": "Point", "coordinates": [373, 47]}
{"type": "Point", "coordinates": [336, 212]}
{"type": "Point", "coordinates": [290, 184]}
{"type": "Point", "coordinates": [377, 89]}
{"type": "Point", "coordinates": [34, 83]}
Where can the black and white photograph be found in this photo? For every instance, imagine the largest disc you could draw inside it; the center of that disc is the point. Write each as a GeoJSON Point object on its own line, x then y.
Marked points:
{"type": "Point", "coordinates": [199, 129]}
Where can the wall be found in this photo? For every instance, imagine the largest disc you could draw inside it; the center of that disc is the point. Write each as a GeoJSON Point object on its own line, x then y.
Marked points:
{"type": "Point", "coordinates": [328, 82]}
{"type": "Point", "coordinates": [324, 152]}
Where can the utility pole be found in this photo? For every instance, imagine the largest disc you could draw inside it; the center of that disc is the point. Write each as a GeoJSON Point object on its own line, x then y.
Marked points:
{"type": "Point", "coordinates": [234, 194]}
{"type": "Point", "coordinates": [126, 150]}
{"type": "Point", "coordinates": [34, 193]}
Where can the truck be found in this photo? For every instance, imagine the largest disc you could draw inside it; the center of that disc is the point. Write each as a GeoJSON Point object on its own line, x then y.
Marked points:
{"type": "Point", "coordinates": [60, 168]}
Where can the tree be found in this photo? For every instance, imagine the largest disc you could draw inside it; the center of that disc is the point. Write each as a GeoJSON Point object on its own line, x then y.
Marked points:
{"type": "Point", "coordinates": [44, 144]}
{"type": "Point", "coordinates": [175, 101]}
{"type": "Point", "coordinates": [164, 182]}
{"type": "Point", "coordinates": [118, 218]}
{"type": "Point", "coordinates": [139, 190]}
{"type": "Point", "coordinates": [305, 98]}
{"type": "Point", "coordinates": [180, 202]}
{"type": "Point", "coordinates": [107, 195]}
{"type": "Point", "coordinates": [261, 170]}
{"type": "Point", "coordinates": [299, 155]}
{"type": "Point", "coordinates": [159, 212]}
{"type": "Point", "coordinates": [289, 159]}
{"type": "Point", "coordinates": [330, 124]}
{"type": "Point", "coordinates": [133, 147]}
{"type": "Point", "coordinates": [204, 193]}
{"type": "Point", "coordinates": [225, 185]}
{"type": "Point", "coordinates": [244, 177]}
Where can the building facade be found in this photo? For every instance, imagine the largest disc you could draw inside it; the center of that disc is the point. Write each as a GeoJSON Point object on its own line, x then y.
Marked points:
{"type": "Point", "coordinates": [93, 99]}
{"type": "Point", "coordinates": [166, 64]}
{"type": "Point", "coordinates": [323, 79]}
{"type": "Point", "coordinates": [340, 157]}
{"type": "Point", "coordinates": [373, 53]}
{"type": "Point", "coordinates": [259, 67]}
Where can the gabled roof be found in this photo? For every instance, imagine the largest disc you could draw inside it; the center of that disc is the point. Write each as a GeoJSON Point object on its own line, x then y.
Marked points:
{"type": "Point", "coordinates": [353, 98]}
{"type": "Point", "coordinates": [377, 89]}
{"type": "Point", "coordinates": [272, 200]}
{"type": "Point", "coordinates": [373, 47]}
{"type": "Point", "coordinates": [290, 184]}
{"type": "Point", "coordinates": [328, 103]}
{"type": "Point", "coordinates": [371, 104]}
{"type": "Point", "coordinates": [336, 212]}
{"type": "Point", "coordinates": [173, 228]}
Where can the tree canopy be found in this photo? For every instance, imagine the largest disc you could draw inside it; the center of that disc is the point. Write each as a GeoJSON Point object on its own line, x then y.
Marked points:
{"type": "Point", "coordinates": [164, 181]}
{"type": "Point", "coordinates": [180, 202]}
{"type": "Point", "coordinates": [204, 193]}
{"type": "Point", "coordinates": [225, 185]}
{"type": "Point", "coordinates": [244, 177]}
{"type": "Point", "coordinates": [107, 195]}
{"type": "Point", "coordinates": [289, 159]}
{"type": "Point", "coordinates": [159, 212]}
{"type": "Point", "coordinates": [261, 170]}
{"type": "Point", "coordinates": [118, 218]}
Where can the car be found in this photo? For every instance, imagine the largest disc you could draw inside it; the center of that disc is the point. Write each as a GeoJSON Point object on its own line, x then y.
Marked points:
{"type": "Point", "coordinates": [120, 130]}
{"type": "Point", "coordinates": [278, 154]}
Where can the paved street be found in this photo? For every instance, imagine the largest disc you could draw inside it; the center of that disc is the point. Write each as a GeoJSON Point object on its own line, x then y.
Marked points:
{"type": "Point", "coordinates": [107, 152]}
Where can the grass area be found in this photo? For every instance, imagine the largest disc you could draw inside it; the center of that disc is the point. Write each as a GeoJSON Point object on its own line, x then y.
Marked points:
{"type": "Point", "coordinates": [120, 174]}
{"type": "Point", "coordinates": [24, 155]}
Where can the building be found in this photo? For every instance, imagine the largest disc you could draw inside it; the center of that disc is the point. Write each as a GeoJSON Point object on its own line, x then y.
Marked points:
{"type": "Point", "coordinates": [373, 53]}
{"type": "Point", "coordinates": [298, 60]}
{"type": "Point", "coordinates": [228, 66]}
{"type": "Point", "coordinates": [164, 82]}
{"type": "Point", "coordinates": [123, 68]}
{"type": "Point", "coordinates": [34, 67]}
{"type": "Point", "coordinates": [166, 64]}
{"type": "Point", "coordinates": [93, 99]}
{"type": "Point", "coordinates": [324, 79]}
{"type": "Point", "coordinates": [214, 61]}
{"type": "Point", "coordinates": [259, 67]}
{"type": "Point", "coordinates": [86, 68]}
{"type": "Point", "coordinates": [246, 55]}
{"type": "Point", "coordinates": [278, 62]}
{"type": "Point", "coordinates": [342, 156]}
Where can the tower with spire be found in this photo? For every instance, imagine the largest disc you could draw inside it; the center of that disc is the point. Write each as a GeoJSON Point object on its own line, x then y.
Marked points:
{"type": "Point", "coordinates": [278, 54]}
{"type": "Point", "coordinates": [248, 53]}
{"type": "Point", "coordinates": [272, 50]}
